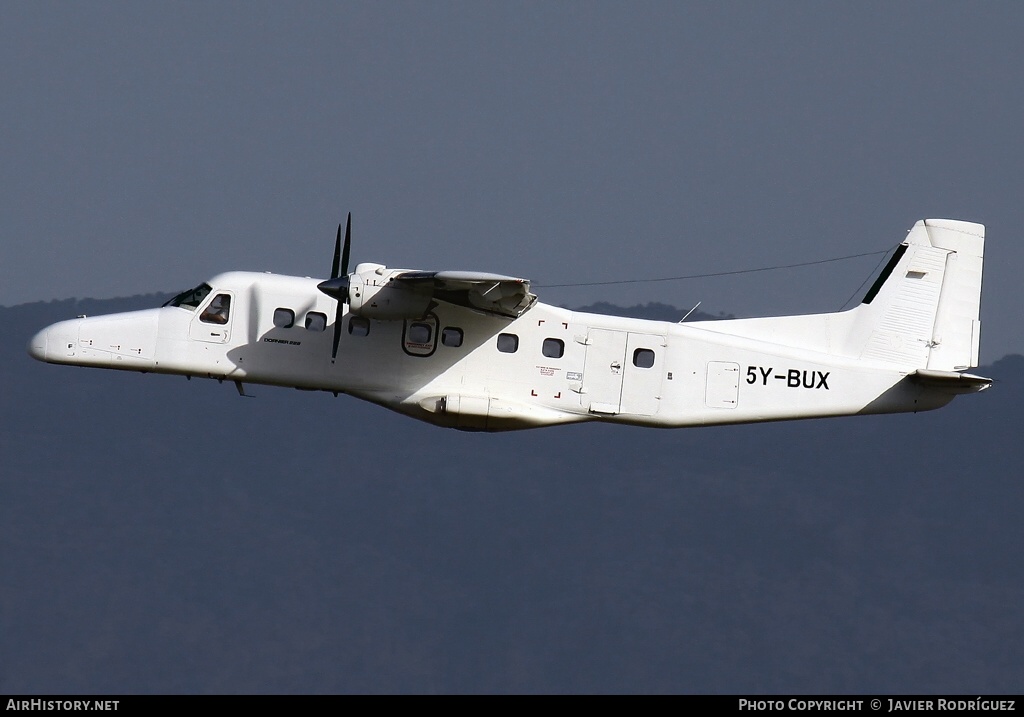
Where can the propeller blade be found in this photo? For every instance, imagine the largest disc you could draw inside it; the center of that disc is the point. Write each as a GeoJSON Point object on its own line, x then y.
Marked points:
{"type": "Point", "coordinates": [337, 289]}
{"type": "Point", "coordinates": [337, 255]}
{"type": "Point", "coordinates": [337, 332]}
{"type": "Point", "coordinates": [348, 245]}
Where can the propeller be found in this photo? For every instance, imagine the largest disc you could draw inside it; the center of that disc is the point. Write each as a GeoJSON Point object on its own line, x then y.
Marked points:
{"type": "Point", "coordinates": [337, 286]}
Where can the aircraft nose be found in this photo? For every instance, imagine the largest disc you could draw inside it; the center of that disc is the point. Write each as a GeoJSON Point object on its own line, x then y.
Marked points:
{"type": "Point", "coordinates": [56, 343]}
{"type": "Point", "coordinates": [37, 346]}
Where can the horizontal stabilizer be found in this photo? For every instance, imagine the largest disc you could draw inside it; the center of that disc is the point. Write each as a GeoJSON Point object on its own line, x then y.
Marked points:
{"type": "Point", "coordinates": [950, 381]}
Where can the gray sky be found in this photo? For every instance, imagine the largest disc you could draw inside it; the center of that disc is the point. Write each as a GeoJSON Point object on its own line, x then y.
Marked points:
{"type": "Point", "coordinates": [149, 146]}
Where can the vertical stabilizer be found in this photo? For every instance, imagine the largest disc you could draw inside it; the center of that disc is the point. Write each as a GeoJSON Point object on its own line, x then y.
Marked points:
{"type": "Point", "coordinates": [923, 311]}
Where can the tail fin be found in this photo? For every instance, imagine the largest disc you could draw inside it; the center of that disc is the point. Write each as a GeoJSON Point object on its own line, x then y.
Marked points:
{"type": "Point", "coordinates": [923, 310]}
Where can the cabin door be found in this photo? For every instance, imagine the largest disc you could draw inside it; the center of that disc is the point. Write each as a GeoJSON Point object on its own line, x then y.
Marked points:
{"type": "Point", "coordinates": [643, 373]}
{"type": "Point", "coordinates": [602, 373]}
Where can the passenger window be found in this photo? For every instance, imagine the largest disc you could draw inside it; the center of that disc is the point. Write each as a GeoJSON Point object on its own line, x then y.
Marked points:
{"type": "Point", "coordinates": [358, 326]}
{"type": "Point", "coordinates": [643, 358]}
{"type": "Point", "coordinates": [284, 318]}
{"type": "Point", "coordinates": [508, 343]}
{"type": "Point", "coordinates": [553, 348]}
{"type": "Point", "coordinates": [451, 336]}
{"type": "Point", "coordinates": [418, 334]}
{"type": "Point", "coordinates": [315, 321]}
{"type": "Point", "coordinates": [218, 310]}
{"type": "Point", "coordinates": [419, 338]}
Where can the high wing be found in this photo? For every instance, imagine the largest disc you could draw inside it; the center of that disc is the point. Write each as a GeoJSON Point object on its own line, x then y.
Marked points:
{"type": "Point", "coordinates": [490, 293]}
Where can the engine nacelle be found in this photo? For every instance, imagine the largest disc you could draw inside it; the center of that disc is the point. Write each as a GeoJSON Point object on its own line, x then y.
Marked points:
{"type": "Point", "coordinates": [372, 295]}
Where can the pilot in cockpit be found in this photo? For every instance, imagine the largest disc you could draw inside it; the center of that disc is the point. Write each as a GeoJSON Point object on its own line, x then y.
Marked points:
{"type": "Point", "coordinates": [217, 311]}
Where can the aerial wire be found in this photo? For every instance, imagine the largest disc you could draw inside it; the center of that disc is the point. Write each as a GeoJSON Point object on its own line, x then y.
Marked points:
{"type": "Point", "coordinates": [856, 291]}
{"type": "Point", "coordinates": [720, 273]}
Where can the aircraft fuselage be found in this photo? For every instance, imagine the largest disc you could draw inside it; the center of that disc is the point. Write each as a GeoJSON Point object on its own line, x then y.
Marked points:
{"type": "Point", "coordinates": [458, 367]}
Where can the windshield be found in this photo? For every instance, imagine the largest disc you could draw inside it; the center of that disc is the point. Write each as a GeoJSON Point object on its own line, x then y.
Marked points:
{"type": "Point", "coordinates": [190, 299]}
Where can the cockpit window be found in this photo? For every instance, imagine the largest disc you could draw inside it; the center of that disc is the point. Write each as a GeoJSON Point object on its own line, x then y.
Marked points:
{"type": "Point", "coordinates": [218, 310]}
{"type": "Point", "coordinates": [192, 298]}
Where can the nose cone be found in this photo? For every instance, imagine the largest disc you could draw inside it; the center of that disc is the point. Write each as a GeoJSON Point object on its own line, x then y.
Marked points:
{"type": "Point", "coordinates": [56, 343]}
{"type": "Point", "coordinates": [37, 346]}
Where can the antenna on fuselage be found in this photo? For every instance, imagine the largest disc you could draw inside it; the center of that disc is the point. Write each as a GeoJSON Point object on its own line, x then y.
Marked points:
{"type": "Point", "coordinates": [690, 312]}
{"type": "Point", "coordinates": [337, 286]}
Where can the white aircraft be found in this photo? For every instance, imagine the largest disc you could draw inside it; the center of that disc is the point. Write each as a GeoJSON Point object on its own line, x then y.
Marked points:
{"type": "Point", "coordinates": [477, 351]}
